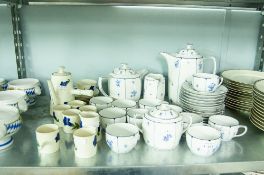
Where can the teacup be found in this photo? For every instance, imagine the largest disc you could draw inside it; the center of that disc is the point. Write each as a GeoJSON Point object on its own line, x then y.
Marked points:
{"type": "Point", "coordinates": [71, 120]}
{"type": "Point", "coordinates": [88, 84]}
{"type": "Point", "coordinates": [227, 125]}
{"type": "Point", "coordinates": [85, 143]}
{"type": "Point", "coordinates": [112, 115]}
{"type": "Point", "coordinates": [76, 104]}
{"type": "Point", "coordinates": [150, 103]}
{"type": "Point", "coordinates": [48, 138]}
{"type": "Point", "coordinates": [87, 108]}
{"type": "Point", "coordinates": [14, 98]}
{"type": "Point", "coordinates": [124, 104]}
{"type": "Point", "coordinates": [196, 119]}
{"type": "Point", "coordinates": [91, 120]}
{"type": "Point", "coordinates": [3, 84]}
{"type": "Point", "coordinates": [30, 86]}
{"type": "Point", "coordinates": [122, 137]}
{"type": "Point", "coordinates": [203, 140]}
{"type": "Point", "coordinates": [135, 116]}
{"type": "Point", "coordinates": [101, 102]}
{"type": "Point", "coordinates": [205, 82]}
{"type": "Point", "coordinates": [57, 114]}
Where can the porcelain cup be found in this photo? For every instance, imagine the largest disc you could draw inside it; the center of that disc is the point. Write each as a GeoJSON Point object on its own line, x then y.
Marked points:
{"type": "Point", "coordinates": [154, 86]}
{"type": "Point", "coordinates": [90, 119]}
{"type": "Point", "coordinates": [135, 116]}
{"type": "Point", "coordinates": [122, 137]}
{"type": "Point", "coordinates": [76, 104]}
{"type": "Point", "coordinates": [124, 104]}
{"type": "Point", "coordinates": [85, 143]}
{"type": "Point", "coordinates": [203, 140]}
{"type": "Point", "coordinates": [88, 84]}
{"type": "Point", "coordinates": [205, 82]}
{"type": "Point", "coordinates": [57, 114]}
{"type": "Point", "coordinates": [150, 103]}
{"type": "Point", "coordinates": [196, 119]}
{"type": "Point", "coordinates": [228, 126]}
{"type": "Point", "coordinates": [112, 115]}
{"type": "Point", "coordinates": [3, 84]}
{"type": "Point", "coordinates": [71, 120]}
{"type": "Point", "coordinates": [101, 102]}
{"type": "Point", "coordinates": [48, 138]}
{"type": "Point", "coordinates": [87, 108]}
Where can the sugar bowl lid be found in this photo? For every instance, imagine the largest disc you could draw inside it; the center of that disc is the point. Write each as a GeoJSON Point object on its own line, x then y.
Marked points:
{"type": "Point", "coordinates": [163, 112]}
{"type": "Point", "coordinates": [61, 72]}
{"type": "Point", "coordinates": [189, 52]}
{"type": "Point", "coordinates": [124, 71]}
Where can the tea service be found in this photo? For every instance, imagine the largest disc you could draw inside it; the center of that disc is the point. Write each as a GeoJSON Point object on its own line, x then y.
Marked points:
{"type": "Point", "coordinates": [205, 82]}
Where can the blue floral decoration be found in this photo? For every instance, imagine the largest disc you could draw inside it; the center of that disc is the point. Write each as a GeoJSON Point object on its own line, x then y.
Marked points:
{"type": "Point", "coordinates": [64, 83]}
{"type": "Point", "coordinates": [57, 138]}
{"type": "Point", "coordinates": [200, 66]}
{"type": "Point", "coordinates": [81, 124]}
{"type": "Point", "coordinates": [92, 88]}
{"type": "Point", "coordinates": [118, 83]}
{"type": "Point", "coordinates": [133, 93]}
{"type": "Point", "coordinates": [211, 87]}
{"type": "Point", "coordinates": [109, 143]}
{"type": "Point", "coordinates": [167, 137]}
{"type": "Point", "coordinates": [177, 63]}
{"type": "Point", "coordinates": [66, 121]}
{"type": "Point", "coordinates": [94, 141]}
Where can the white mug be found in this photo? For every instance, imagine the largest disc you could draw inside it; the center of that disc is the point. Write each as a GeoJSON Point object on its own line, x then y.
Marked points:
{"type": "Point", "coordinates": [91, 120]}
{"type": "Point", "coordinates": [76, 104]}
{"type": "Point", "coordinates": [227, 125]}
{"type": "Point", "coordinates": [48, 138]}
{"type": "Point", "coordinates": [57, 114]}
{"type": "Point", "coordinates": [88, 84]}
{"type": "Point", "coordinates": [205, 82]}
{"type": "Point", "coordinates": [154, 86]}
{"type": "Point", "coordinates": [71, 120]}
{"type": "Point", "coordinates": [85, 143]}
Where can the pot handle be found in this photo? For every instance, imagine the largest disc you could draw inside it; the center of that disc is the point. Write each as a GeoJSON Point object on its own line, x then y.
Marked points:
{"type": "Point", "coordinates": [244, 132]}
{"type": "Point", "coordinates": [221, 82]}
{"type": "Point", "coordinates": [214, 62]}
{"type": "Point", "coordinates": [185, 129]}
{"type": "Point", "coordinates": [100, 85]}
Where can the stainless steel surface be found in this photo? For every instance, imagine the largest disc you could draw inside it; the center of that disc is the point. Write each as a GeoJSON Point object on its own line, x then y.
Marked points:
{"type": "Point", "coordinates": [240, 155]}
{"type": "Point", "coordinates": [18, 41]}
{"type": "Point", "coordinates": [259, 60]}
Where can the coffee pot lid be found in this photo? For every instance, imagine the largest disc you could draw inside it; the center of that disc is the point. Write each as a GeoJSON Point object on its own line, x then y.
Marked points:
{"type": "Point", "coordinates": [163, 112]}
{"type": "Point", "coordinates": [61, 72]}
{"type": "Point", "coordinates": [124, 72]}
{"type": "Point", "coordinates": [189, 52]}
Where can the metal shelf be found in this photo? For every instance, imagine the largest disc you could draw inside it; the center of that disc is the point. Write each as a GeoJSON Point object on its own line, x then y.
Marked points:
{"type": "Point", "coordinates": [241, 154]}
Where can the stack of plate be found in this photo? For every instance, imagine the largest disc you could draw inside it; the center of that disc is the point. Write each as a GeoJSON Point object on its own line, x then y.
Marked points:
{"type": "Point", "coordinates": [240, 88]}
{"type": "Point", "coordinates": [257, 111]}
{"type": "Point", "coordinates": [203, 103]}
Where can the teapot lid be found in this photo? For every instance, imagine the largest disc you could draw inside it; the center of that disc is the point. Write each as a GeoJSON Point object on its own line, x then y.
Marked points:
{"type": "Point", "coordinates": [124, 72]}
{"type": "Point", "coordinates": [61, 72]}
{"type": "Point", "coordinates": [163, 112]}
{"type": "Point", "coordinates": [189, 52]}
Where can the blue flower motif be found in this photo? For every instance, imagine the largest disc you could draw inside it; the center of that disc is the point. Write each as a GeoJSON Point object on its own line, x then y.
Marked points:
{"type": "Point", "coordinates": [177, 63]}
{"type": "Point", "coordinates": [66, 121]}
{"type": "Point", "coordinates": [64, 83]}
{"type": "Point", "coordinates": [133, 93]}
{"type": "Point", "coordinates": [211, 87]}
{"type": "Point", "coordinates": [167, 137]}
{"type": "Point", "coordinates": [118, 83]}
{"type": "Point", "coordinates": [200, 66]}
{"type": "Point", "coordinates": [94, 141]}
{"type": "Point", "coordinates": [109, 143]}
{"type": "Point", "coordinates": [4, 86]}
{"type": "Point", "coordinates": [57, 138]}
{"type": "Point", "coordinates": [81, 125]}
{"type": "Point", "coordinates": [92, 88]}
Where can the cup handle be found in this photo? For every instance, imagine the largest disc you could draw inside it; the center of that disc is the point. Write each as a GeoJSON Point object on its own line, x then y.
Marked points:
{"type": "Point", "coordinates": [221, 82]}
{"type": "Point", "coordinates": [37, 90]}
{"type": "Point", "coordinates": [100, 85]}
{"type": "Point", "coordinates": [214, 62]}
{"type": "Point", "coordinates": [22, 105]}
{"type": "Point", "coordinates": [185, 129]}
{"type": "Point", "coordinates": [243, 133]}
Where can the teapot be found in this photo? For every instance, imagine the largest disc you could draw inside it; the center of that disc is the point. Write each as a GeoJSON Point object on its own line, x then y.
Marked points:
{"type": "Point", "coordinates": [61, 87]}
{"type": "Point", "coordinates": [181, 66]}
{"type": "Point", "coordinates": [123, 83]}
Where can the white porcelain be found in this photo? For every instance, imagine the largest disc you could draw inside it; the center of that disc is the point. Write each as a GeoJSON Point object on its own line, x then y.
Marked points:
{"type": "Point", "coordinates": [162, 128]}
{"type": "Point", "coordinates": [149, 103]}
{"type": "Point", "coordinates": [181, 66]}
{"type": "Point", "coordinates": [196, 119]}
{"type": "Point", "coordinates": [57, 114]}
{"type": "Point", "coordinates": [85, 143]}
{"type": "Point", "coordinates": [10, 123]}
{"type": "Point", "coordinates": [71, 120]}
{"type": "Point", "coordinates": [121, 137]}
{"type": "Point", "coordinates": [87, 108]}
{"type": "Point", "coordinates": [205, 82]}
{"type": "Point", "coordinates": [112, 115]}
{"type": "Point", "coordinates": [48, 138]}
{"type": "Point", "coordinates": [90, 119]}
{"type": "Point", "coordinates": [88, 84]}
{"type": "Point", "coordinates": [30, 86]}
{"type": "Point", "coordinates": [3, 84]}
{"type": "Point", "coordinates": [175, 108]}
{"type": "Point", "coordinates": [228, 126]}
{"type": "Point", "coordinates": [76, 104]}
{"type": "Point", "coordinates": [14, 98]}
{"type": "Point", "coordinates": [124, 104]}
{"type": "Point", "coordinates": [123, 83]}
{"type": "Point", "coordinates": [154, 86]}
{"type": "Point", "coordinates": [101, 102]}
{"type": "Point", "coordinates": [135, 116]}
{"type": "Point", "coordinates": [203, 140]}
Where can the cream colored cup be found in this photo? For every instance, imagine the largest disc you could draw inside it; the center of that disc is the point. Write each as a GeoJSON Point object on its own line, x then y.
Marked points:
{"type": "Point", "coordinates": [57, 114]}
{"type": "Point", "coordinates": [88, 108]}
{"type": "Point", "coordinates": [76, 104]}
{"type": "Point", "coordinates": [85, 143]}
{"type": "Point", "coordinates": [48, 138]}
{"type": "Point", "coordinates": [91, 119]}
{"type": "Point", "coordinates": [71, 120]}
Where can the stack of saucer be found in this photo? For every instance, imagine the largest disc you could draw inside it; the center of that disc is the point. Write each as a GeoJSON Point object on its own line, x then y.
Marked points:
{"type": "Point", "coordinates": [257, 111]}
{"type": "Point", "coordinates": [240, 88]}
{"type": "Point", "coordinates": [203, 103]}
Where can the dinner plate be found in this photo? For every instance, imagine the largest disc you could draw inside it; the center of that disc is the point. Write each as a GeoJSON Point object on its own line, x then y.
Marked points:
{"type": "Point", "coordinates": [253, 121]}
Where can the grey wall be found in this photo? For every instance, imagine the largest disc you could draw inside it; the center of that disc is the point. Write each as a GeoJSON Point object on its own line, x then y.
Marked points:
{"type": "Point", "coordinates": [90, 40]}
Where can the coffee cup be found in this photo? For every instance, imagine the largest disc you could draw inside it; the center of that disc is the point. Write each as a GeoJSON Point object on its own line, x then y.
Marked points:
{"type": "Point", "coordinates": [57, 114]}
{"type": "Point", "coordinates": [205, 82]}
{"type": "Point", "coordinates": [71, 120]}
{"type": "Point", "coordinates": [91, 120]}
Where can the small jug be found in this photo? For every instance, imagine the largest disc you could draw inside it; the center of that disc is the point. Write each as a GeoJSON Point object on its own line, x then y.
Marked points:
{"type": "Point", "coordinates": [154, 86]}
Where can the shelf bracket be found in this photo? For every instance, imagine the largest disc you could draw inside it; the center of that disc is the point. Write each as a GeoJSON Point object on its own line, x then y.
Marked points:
{"type": "Point", "coordinates": [18, 41]}
{"type": "Point", "coordinates": [259, 60]}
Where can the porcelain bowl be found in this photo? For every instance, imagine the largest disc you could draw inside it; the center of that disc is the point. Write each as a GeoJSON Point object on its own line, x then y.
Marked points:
{"type": "Point", "coordinates": [10, 123]}
{"type": "Point", "coordinates": [135, 116]}
{"type": "Point", "coordinates": [101, 102]}
{"type": "Point", "coordinates": [203, 140]}
{"type": "Point", "coordinates": [122, 137]}
{"type": "Point", "coordinates": [112, 115]}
